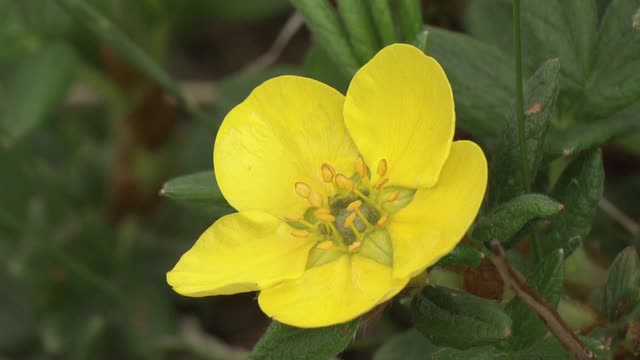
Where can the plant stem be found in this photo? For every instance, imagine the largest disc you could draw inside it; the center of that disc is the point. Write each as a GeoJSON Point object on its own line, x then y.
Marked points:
{"type": "Point", "coordinates": [519, 98]}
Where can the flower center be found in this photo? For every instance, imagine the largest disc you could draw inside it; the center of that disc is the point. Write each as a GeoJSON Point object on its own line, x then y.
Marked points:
{"type": "Point", "coordinates": [354, 219]}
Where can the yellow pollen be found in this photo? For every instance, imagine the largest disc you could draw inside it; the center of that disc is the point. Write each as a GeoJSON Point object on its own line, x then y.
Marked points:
{"type": "Point", "coordinates": [349, 221]}
{"type": "Point", "coordinates": [344, 183]}
{"type": "Point", "coordinates": [382, 167]}
{"type": "Point", "coordinates": [354, 205]}
{"type": "Point", "coordinates": [394, 196]}
{"type": "Point", "coordinates": [303, 189]}
{"type": "Point", "coordinates": [315, 199]}
{"type": "Point", "coordinates": [325, 217]}
{"type": "Point", "coordinates": [293, 218]}
{"type": "Point", "coordinates": [361, 167]}
{"type": "Point", "coordinates": [322, 211]}
{"type": "Point", "coordinates": [300, 233]}
{"type": "Point", "coordinates": [355, 246]}
{"type": "Point", "coordinates": [325, 245]}
{"type": "Point", "coordinates": [383, 221]}
{"type": "Point", "coordinates": [382, 183]}
{"type": "Point", "coordinates": [328, 173]}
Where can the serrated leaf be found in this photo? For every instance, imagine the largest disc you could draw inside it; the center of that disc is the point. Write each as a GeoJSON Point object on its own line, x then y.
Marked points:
{"type": "Point", "coordinates": [35, 90]}
{"type": "Point", "coordinates": [579, 188]}
{"type": "Point", "coordinates": [356, 18]}
{"type": "Point", "coordinates": [547, 278]}
{"type": "Point", "coordinates": [456, 319]}
{"type": "Point", "coordinates": [540, 95]}
{"type": "Point", "coordinates": [482, 81]}
{"type": "Point", "coordinates": [614, 83]}
{"type": "Point", "coordinates": [462, 254]}
{"type": "Point", "coordinates": [503, 222]}
{"type": "Point", "coordinates": [621, 292]}
{"type": "Point", "coordinates": [284, 342]}
{"type": "Point", "coordinates": [200, 187]}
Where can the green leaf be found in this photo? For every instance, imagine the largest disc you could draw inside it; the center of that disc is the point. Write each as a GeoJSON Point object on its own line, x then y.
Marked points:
{"type": "Point", "coordinates": [17, 311]}
{"type": "Point", "coordinates": [318, 65]}
{"type": "Point", "coordinates": [35, 90]}
{"type": "Point", "coordinates": [200, 187]}
{"type": "Point", "coordinates": [283, 342]}
{"type": "Point", "coordinates": [462, 254]}
{"type": "Point", "coordinates": [540, 95]}
{"type": "Point", "coordinates": [357, 20]}
{"type": "Point", "coordinates": [323, 21]}
{"type": "Point", "coordinates": [503, 222]}
{"type": "Point", "coordinates": [422, 41]}
{"type": "Point", "coordinates": [90, 17]}
{"type": "Point", "coordinates": [481, 78]}
{"type": "Point", "coordinates": [613, 84]}
{"type": "Point", "coordinates": [383, 20]}
{"type": "Point", "coordinates": [547, 278]}
{"type": "Point", "coordinates": [621, 292]}
{"type": "Point", "coordinates": [456, 319]}
{"type": "Point", "coordinates": [579, 188]}
{"type": "Point", "coordinates": [410, 18]}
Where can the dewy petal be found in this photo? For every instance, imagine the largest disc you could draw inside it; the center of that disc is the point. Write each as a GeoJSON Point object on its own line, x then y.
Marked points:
{"type": "Point", "coordinates": [281, 134]}
{"type": "Point", "coordinates": [399, 107]}
{"type": "Point", "coordinates": [241, 252]}
{"type": "Point", "coordinates": [438, 217]}
{"type": "Point", "coordinates": [332, 293]}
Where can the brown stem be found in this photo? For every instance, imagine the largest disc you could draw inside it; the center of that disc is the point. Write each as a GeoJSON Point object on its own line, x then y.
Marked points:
{"type": "Point", "coordinates": [540, 306]}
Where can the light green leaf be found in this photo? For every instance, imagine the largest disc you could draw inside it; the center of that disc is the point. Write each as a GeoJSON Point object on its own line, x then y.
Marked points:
{"type": "Point", "coordinates": [410, 18]}
{"type": "Point", "coordinates": [284, 342]}
{"type": "Point", "coordinates": [200, 187]}
{"type": "Point", "coordinates": [35, 90]}
{"type": "Point", "coordinates": [621, 292]}
{"type": "Point", "coordinates": [503, 222]}
{"type": "Point", "coordinates": [456, 319]}
{"type": "Point", "coordinates": [356, 18]}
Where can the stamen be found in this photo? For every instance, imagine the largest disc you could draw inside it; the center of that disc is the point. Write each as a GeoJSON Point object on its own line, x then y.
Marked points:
{"type": "Point", "coordinates": [394, 196]}
{"type": "Point", "coordinates": [382, 167]}
{"type": "Point", "coordinates": [361, 167]}
{"type": "Point", "coordinates": [315, 199]}
{"type": "Point", "coordinates": [300, 233]}
{"type": "Point", "coordinates": [354, 205]}
{"type": "Point", "coordinates": [349, 220]}
{"type": "Point", "coordinates": [344, 183]}
{"type": "Point", "coordinates": [362, 217]}
{"type": "Point", "coordinates": [383, 221]}
{"type": "Point", "coordinates": [355, 231]}
{"type": "Point", "coordinates": [355, 246]}
{"type": "Point", "coordinates": [328, 218]}
{"type": "Point", "coordinates": [303, 189]}
{"type": "Point", "coordinates": [382, 183]}
{"type": "Point", "coordinates": [328, 173]}
{"type": "Point", "coordinates": [322, 211]}
{"type": "Point", "coordinates": [293, 218]}
{"type": "Point", "coordinates": [325, 245]}
{"type": "Point", "coordinates": [335, 232]}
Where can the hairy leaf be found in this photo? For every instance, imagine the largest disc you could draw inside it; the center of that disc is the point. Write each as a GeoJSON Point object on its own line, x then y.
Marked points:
{"type": "Point", "coordinates": [621, 292]}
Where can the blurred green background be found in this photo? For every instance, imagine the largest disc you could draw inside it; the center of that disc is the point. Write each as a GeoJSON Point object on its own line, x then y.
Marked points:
{"type": "Point", "coordinates": [101, 103]}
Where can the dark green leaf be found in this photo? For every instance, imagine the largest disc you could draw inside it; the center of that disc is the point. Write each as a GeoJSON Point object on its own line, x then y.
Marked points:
{"type": "Point", "coordinates": [199, 188]}
{"type": "Point", "coordinates": [579, 188]}
{"type": "Point", "coordinates": [36, 88]}
{"type": "Point", "coordinates": [547, 278]}
{"type": "Point", "coordinates": [456, 319]}
{"type": "Point", "coordinates": [383, 20]}
{"type": "Point", "coordinates": [324, 23]}
{"type": "Point", "coordinates": [503, 222]}
{"type": "Point", "coordinates": [317, 65]}
{"type": "Point", "coordinates": [422, 41]}
{"type": "Point", "coordinates": [356, 18]}
{"type": "Point", "coordinates": [621, 292]}
{"type": "Point", "coordinates": [462, 254]}
{"type": "Point", "coordinates": [17, 311]}
{"type": "Point", "coordinates": [614, 83]}
{"type": "Point", "coordinates": [283, 342]}
{"type": "Point", "coordinates": [547, 348]}
{"type": "Point", "coordinates": [410, 18]}
{"type": "Point", "coordinates": [481, 78]}
{"type": "Point", "coordinates": [540, 96]}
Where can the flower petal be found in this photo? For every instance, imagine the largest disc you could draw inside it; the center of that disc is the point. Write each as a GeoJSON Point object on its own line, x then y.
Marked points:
{"type": "Point", "coordinates": [332, 293]}
{"type": "Point", "coordinates": [281, 134]}
{"type": "Point", "coordinates": [241, 252]}
{"type": "Point", "coordinates": [399, 107]}
{"type": "Point", "coordinates": [438, 217]}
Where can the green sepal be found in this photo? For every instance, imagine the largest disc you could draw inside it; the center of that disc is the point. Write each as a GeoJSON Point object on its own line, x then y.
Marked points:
{"type": "Point", "coordinates": [621, 292]}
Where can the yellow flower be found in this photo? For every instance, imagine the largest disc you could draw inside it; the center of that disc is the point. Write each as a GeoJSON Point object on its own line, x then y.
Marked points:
{"type": "Point", "coordinates": [341, 200]}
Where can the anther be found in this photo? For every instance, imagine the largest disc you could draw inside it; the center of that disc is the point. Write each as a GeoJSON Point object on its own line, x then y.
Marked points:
{"type": "Point", "coordinates": [344, 183]}
{"type": "Point", "coordinates": [325, 217]}
{"type": "Point", "coordinates": [300, 233]}
{"type": "Point", "coordinates": [322, 211]}
{"type": "Point", "coordinates": [383, 221]}
{"type": "Point", "coordinates": [355, 246]}
{"type": "Point", "coordinates": [349, 220]}
{"type": "Point", "coordinates": [315, 199]}
{"type": "Point", "coordinates": [328, 173]}
{"type": "Point", "coordinates": [381, 184]}
{"type": "Point", "coordinates": [303, 189]}
{"type": "Point", "coordinates": [354, 205]}
{"type": "Point", "coordinates": [361, 167]}
{"type": "Point", "coordinates": [382, 167]}
{"type": "Point", "coordinates": [394, 196]}
{"type": "Point", "coordinates": [293, 218]}
{"type": "Point", "coordinates": [325, 245]}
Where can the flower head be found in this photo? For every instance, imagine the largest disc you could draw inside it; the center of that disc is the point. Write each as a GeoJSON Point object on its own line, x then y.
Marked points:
{"type": "Point", "coordinates": [341, 200]}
